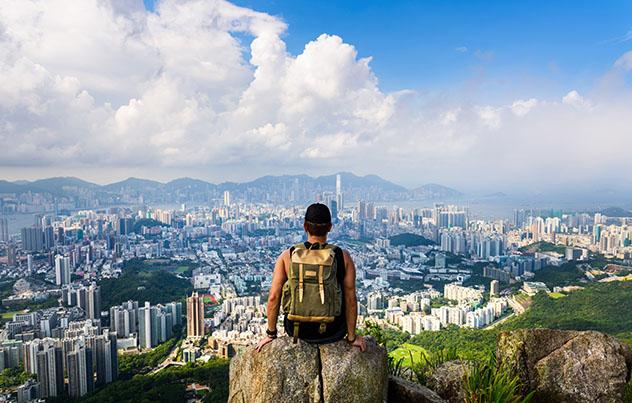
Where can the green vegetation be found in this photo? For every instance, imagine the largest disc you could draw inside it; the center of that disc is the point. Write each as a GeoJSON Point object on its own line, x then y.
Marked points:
{"type": "Point", "coordinates": [408, 353]}
{"type": "Point", "coordinates": [543, 246]}
{"type": "Point", "coordinates": [139, 282]}
{"type": "Point", "coordinates": [485, 381]}
{"type": "Point", "coordinates": [408, 239]}
{"type": "Point", "coordinates": [12, 377]}
{"type": "Point", "coordinates": [132, 364]}
{"type": "Point", "coordinates": [627, 397]}
{"type": "Point", "coordinates": [470, 344]}
{"type": "Point", "coordinates": [600, 307]}
{"type": "Point", "coordinates": [31, 305]}
{"type": "Point", "coordinates": [563, 275]}
{"type": "Point", "coordinates": [146, 222]}
{"type": "Point", "coordinates": [167, 385]}
{"type": "Point", "coordinates": [389, 338]}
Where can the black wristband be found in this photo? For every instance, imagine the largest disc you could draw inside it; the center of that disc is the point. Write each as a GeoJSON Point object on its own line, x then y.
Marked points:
{"type": "Point", "coordinates": [271, 333]}
{"type": "Point", "coordinates": [351, 341]}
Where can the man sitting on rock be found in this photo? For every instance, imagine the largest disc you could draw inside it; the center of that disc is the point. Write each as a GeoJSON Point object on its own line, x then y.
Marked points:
{"type": "Point", "coordinates": [315, 283]}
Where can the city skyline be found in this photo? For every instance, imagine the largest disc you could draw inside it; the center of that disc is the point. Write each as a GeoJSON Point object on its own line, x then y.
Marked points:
{"type": "Point", "coordinates": [261, 90]}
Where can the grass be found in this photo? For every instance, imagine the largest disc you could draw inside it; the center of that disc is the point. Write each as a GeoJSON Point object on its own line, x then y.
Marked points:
{"type": "Point", "coordinates": [485, 381]}
{"type": "Point", "coordinates": [182, 269]}
{"type": "Point", "coordinates": [9, 315]}
{"type": "Point", "coordinates": [405, 351]}
{"type": "Point", "coordinates": [556, 295]}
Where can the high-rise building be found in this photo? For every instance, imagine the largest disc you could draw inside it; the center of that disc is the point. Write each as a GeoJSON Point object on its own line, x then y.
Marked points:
{"type": "Point", "coordinates": [49, 237]}
{"type": "Point", "coordinates": [62, 270]}
{"type": "Point", "coordinates": [44, 358]}
{"type": "Point", "coordinates": [93, 303]}
{"type": "Point", "coordinates": [147, 326]}
{"type": "Point", "coordinates": [11, 257]}
{"type": "Point", "coordinates": [32, 239]}
{"type": "Point", "coordinates": [494, 288]}
{"type": "Point", "coordinates": [339, 195]}
{"type": "Point", "coordinates": [195, 316]}
{"type": "Point", "coordinates": [80, 370]}
{"type": "Point", "coordinates": [4, 229]}
{"type": "Point", "coordinates": [226, 198]}
{"type": "Point", "coordinates": [106, 358]}
{"type": "Point", "coordinates": [124, 318]}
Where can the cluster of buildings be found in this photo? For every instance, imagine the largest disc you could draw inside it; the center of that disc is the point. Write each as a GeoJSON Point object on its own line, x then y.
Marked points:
{"type": "Point", "coordinates": [85, 357]}
{"type": "Point", "coordinates": [144, 326]}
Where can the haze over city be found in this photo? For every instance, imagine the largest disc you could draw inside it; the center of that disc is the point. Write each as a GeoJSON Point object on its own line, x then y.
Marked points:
{"type": "Point", "coordinates": [504, 98]}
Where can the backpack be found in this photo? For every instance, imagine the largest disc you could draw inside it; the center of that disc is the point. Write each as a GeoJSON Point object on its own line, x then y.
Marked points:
{"type": "Point", "coordinates": [312, 292]}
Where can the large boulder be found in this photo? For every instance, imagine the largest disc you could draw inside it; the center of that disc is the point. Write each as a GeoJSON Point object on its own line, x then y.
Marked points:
{"type": "Point", "coordinates": [567, 366]}
{"type": "Point", "coordinates": [302, 372]}
{"type": "Point", "coordinates": [281, 372]}
{"type": "Point", "coordinates": [401, 390]}
{"type": "Point", "coordinates": [352, 376]}
{"type": "Point", "coordinates": [447, 380]}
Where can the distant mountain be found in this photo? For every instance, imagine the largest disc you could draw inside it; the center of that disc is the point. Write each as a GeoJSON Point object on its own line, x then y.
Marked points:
{"type": "Point", "coordinates": [188, 185]}
{"type": "Point", "coordinates": [616, 212]}
{"type": "Point", "coordinates": [135, 186]}
{"type": "Point", "coordinates": [269, 188]}
{"type": "Point", "coordinates": [11, 187]}
{"type": "Point", "coordinates": [435, 191]}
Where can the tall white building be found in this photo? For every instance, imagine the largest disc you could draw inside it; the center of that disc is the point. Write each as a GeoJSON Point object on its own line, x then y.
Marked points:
{"type": "Point", "coordinates": [226, 198]}
{"type": "Point", "coordinates": [62, 270]}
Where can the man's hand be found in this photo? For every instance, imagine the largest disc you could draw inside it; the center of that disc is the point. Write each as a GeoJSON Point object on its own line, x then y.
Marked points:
{"type": "Point", "coordinates": [263, 342]}
{"type": "Point", "coordinates": [359, 342]}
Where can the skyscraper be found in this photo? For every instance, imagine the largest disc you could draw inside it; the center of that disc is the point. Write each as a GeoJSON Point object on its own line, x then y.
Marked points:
{"type": "Point", "coordinates": [195, 316]}
{"type": "Point", "coordinates": [93, 297]}
{"type": "Point", "coordinates": [32, 239]}
{"type": "Point", "coordinates": [4, 229]}
{"type": "Point", "coordinates": [62, 270]}
{"type": "Point", "coordinates": [147, 326]}
{"type": "Point", "coordinates": [339, 197]}
{"type": "Point", "coordinates": [226, 198]}
{"type": "Point", "coordinates": [80, 370]}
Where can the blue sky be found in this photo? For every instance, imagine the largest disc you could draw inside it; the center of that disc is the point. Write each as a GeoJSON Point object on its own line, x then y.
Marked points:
{"type": "Point", "coordinates": [531, 48]}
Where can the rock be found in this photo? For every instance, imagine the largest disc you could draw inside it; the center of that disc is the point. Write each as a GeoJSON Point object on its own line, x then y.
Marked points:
{"type": "Point", "coordinates": [447, 380]}
{"type": "Point", "coordinates": [401, 390]}
{"type": "Point", "coordinates": [352, 376]}
{"type": "Point", "coordinates": [281, 372]}
{"type": "Point", "coordinates": [567, 366]}
{"type": "Point", "coordinates": [302, 372]}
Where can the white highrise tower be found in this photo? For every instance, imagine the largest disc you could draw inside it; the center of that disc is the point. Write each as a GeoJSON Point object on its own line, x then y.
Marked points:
{"type": "Point", "coordinates": [62, 270]}
{"type": "Point", "coordinates": [226, 198]}
{"type": "Point", "coordinates": [339, 198]}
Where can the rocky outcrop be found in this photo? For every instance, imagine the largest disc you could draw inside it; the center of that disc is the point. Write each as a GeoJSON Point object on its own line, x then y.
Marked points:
{"type": "Point", "coordinates": [447, 380]}
{"type": "Point", "coordinates": [346, 369]}
{"type": "Point", "coordinates": [401, 390]}
{"type": "Point", "coordinates": [567, 366]}
{"type": "Point", "coordinates": [302, 372]}
{"type": "Point", "coordinates": [281, 372]}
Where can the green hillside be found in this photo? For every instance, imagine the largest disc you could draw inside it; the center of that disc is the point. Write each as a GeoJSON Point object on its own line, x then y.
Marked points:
{"type": "Point", "coordinates": [408, 239]}
{"type": "Point", "coordinates": [141, 283]}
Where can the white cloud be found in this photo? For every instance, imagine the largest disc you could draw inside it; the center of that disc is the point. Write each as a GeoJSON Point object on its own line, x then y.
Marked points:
{"type": "Point", "coordinates": [105, 83]}
{"type": "Point", "coordinates": [521, 107]}
{"type": "Point", "coordinates": [625, 61]}
{"type": "Point", "coordinates": [574, 99]}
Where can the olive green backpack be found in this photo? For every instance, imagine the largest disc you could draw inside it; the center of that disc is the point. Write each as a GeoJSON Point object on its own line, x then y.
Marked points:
{"type": "Point", "coordinates": [312, 292]}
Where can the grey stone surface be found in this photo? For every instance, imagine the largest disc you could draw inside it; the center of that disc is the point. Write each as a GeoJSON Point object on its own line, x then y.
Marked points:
{"type": "Point", "coordinates": [567, 366]}
{"type": "Point", "coordinates": [352, 376]}
{"type": "Point", "coordinates": [282, 372]}
{"type": "Point", "coordinates": [401, 390]}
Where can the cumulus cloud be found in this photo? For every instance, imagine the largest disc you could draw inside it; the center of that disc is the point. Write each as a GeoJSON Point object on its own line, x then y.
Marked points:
{"type": "Point", "coordinates": [205, 84]}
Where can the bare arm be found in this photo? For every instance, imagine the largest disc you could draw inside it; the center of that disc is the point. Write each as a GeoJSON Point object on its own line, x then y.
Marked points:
{"type": "Point", "coordinates": [279, 277]}
{"type": "Point", "coordinates": [351, 302]}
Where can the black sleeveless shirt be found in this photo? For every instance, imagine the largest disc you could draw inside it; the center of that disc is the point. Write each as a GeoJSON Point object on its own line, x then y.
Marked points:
{"type": "Point", "coordinates": [336, 330]}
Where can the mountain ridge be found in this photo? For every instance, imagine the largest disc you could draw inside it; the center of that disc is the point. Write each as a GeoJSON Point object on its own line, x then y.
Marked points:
{"type": "Point", "coordinates": [267, 187]}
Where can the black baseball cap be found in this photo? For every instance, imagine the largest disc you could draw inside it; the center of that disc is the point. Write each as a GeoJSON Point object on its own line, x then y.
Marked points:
{"type": "Point", "coordinates": [318, 213]}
